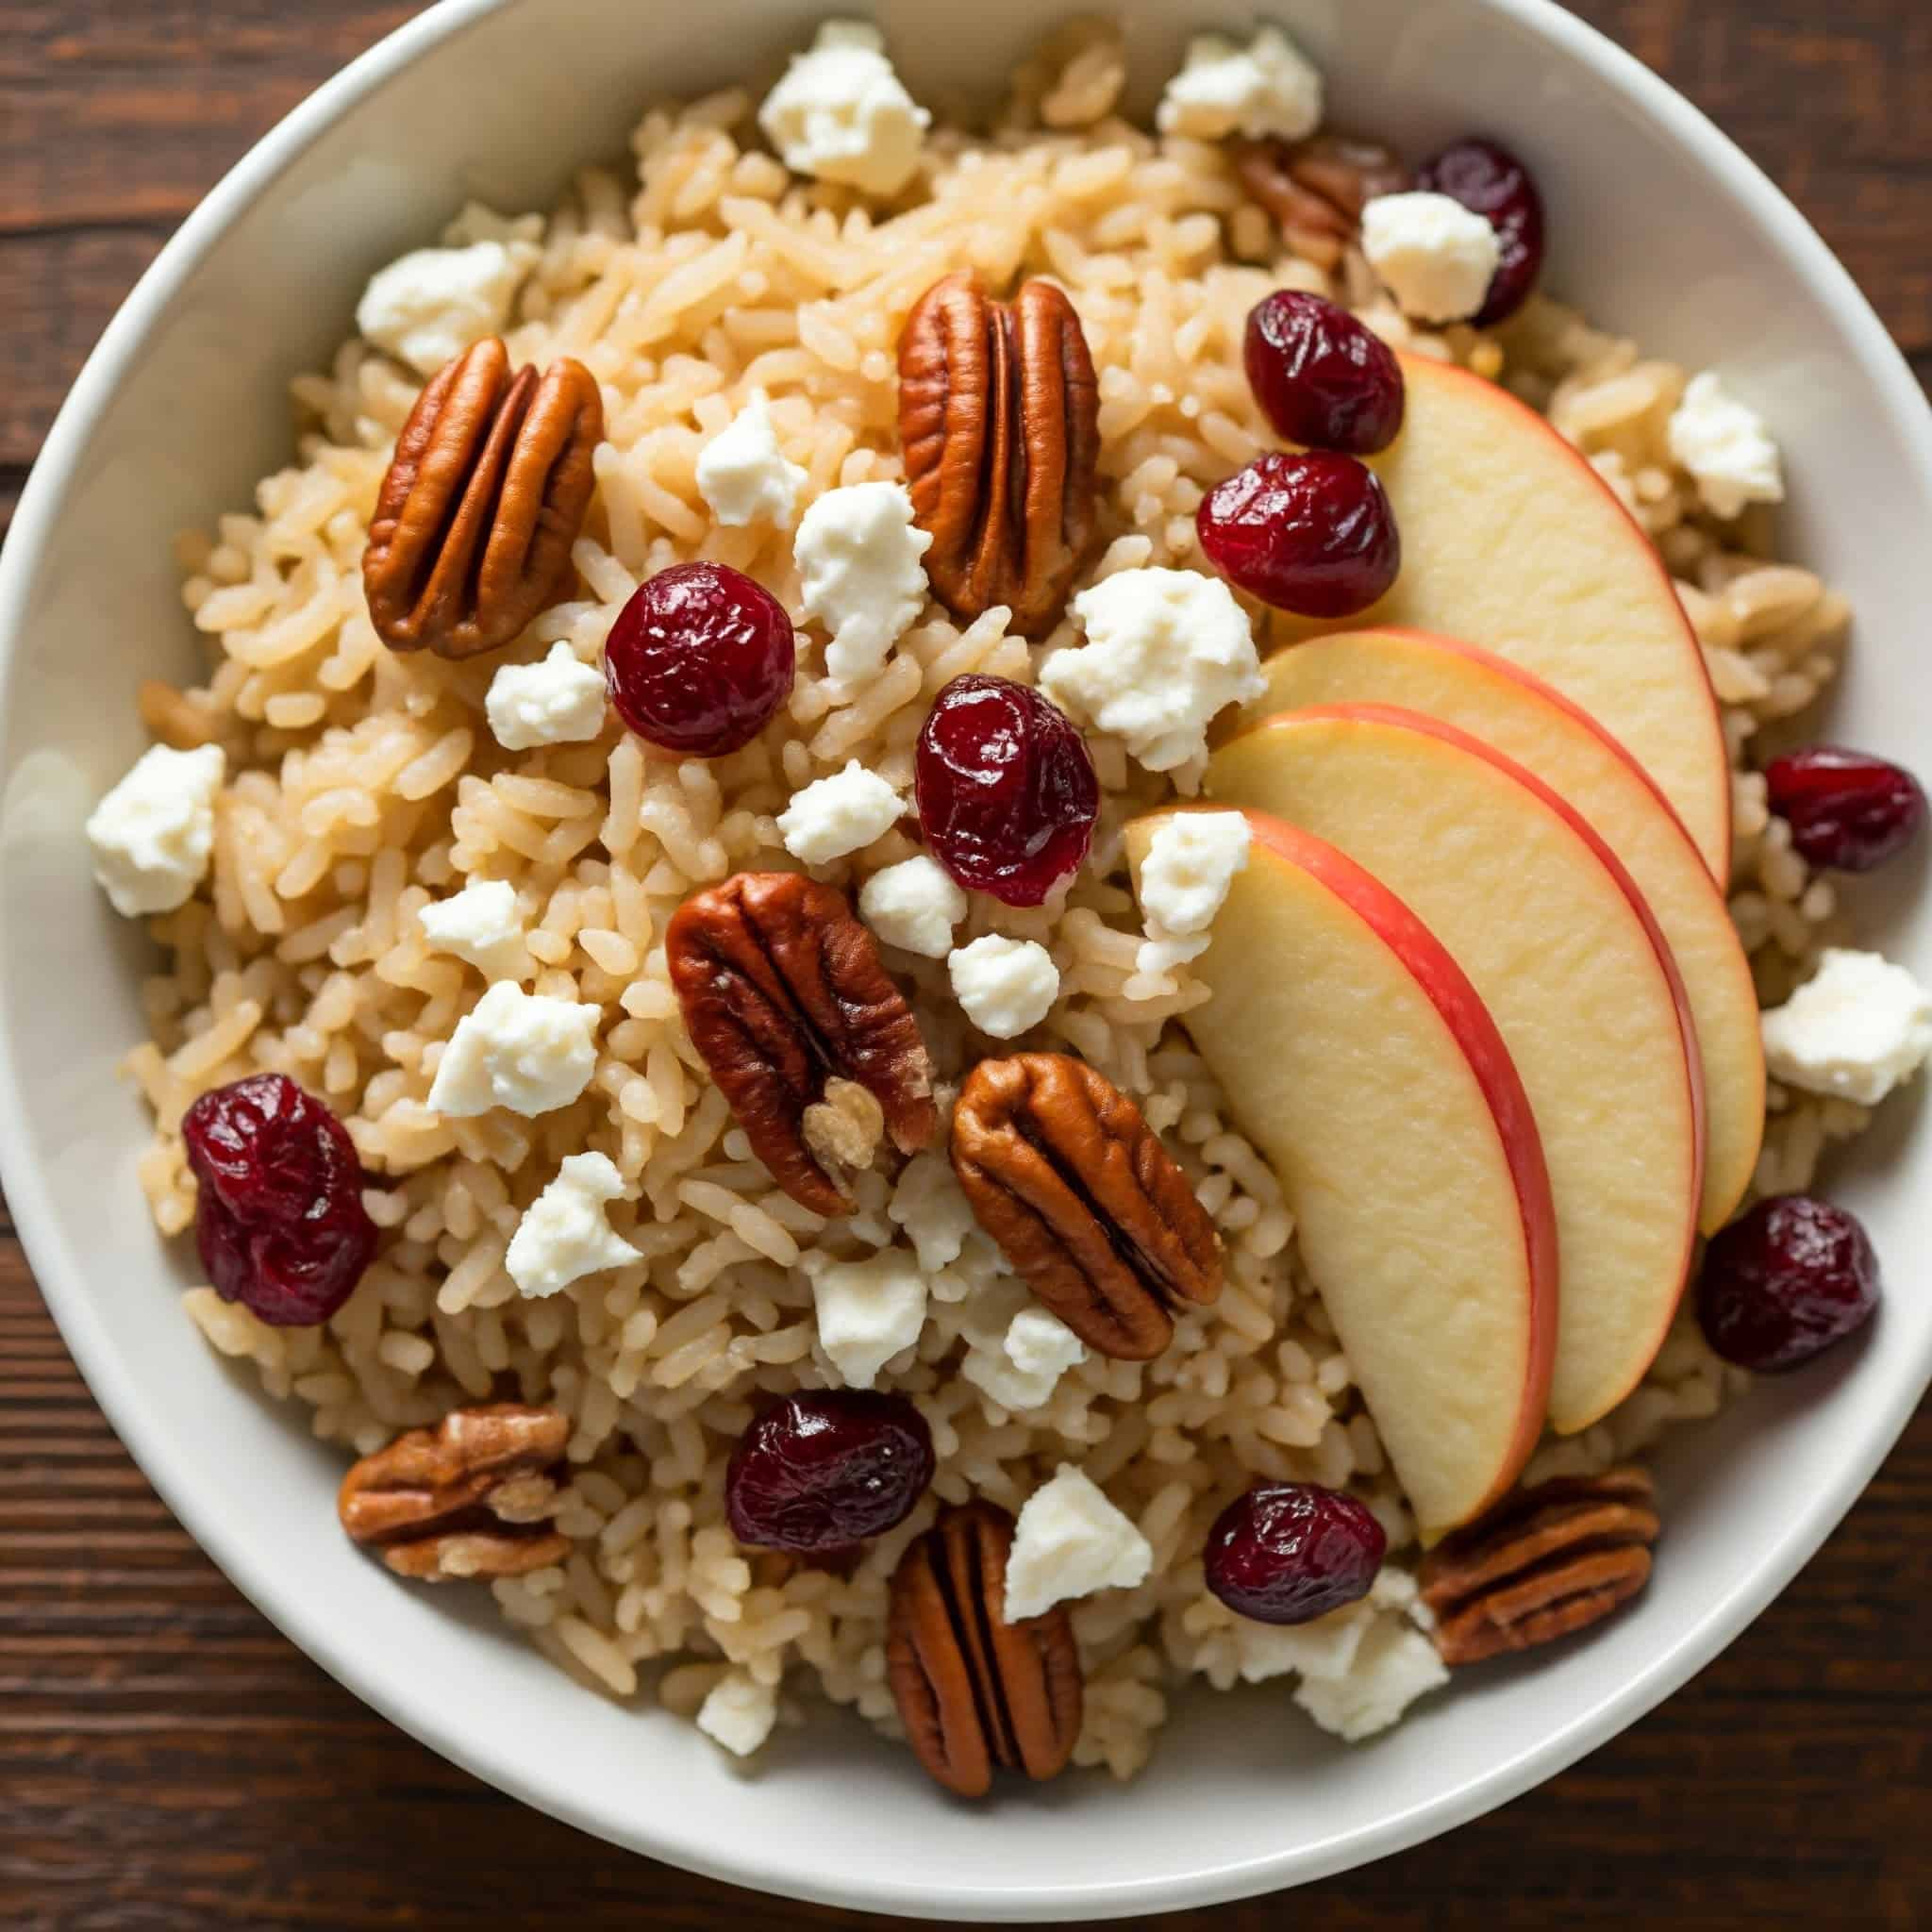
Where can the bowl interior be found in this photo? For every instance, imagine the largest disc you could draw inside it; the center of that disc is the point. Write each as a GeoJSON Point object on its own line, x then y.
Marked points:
{"type": "Point", "coordinates": [1659, 228]}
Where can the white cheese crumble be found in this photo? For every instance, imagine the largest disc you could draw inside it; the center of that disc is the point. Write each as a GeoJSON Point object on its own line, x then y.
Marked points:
{"type": "Point", "coordinates": [914, 904]}
{"type": "Point", "coordinates": [930, 1205]}
{"type": "Point", "coordinates": [1166, 650]}
{"type": "Point", "coordinates": [564, 1234]}
{"type": "Point", "coordinates": [867, 1311]}
{"type": "Point", "coordinates": [1391, 1667]}
{"type": "Point", "coordinates": [742, 473]}
{"type": "Point", "coordinates": [518, 1050]}
{"type": "Point", "coordinates": [1070, 1540]}
{"type": "Point", "coordinates": [1326, 1647]}
{"type": "Point", "coordinates": [739, 1712]}
{"type": "Point", "coordinates": [433, 303]}
{"type": "Point", "coordinates": [483, 925]}
{"type": "Point", "coordinates": [858, 552]}
{"type": "Point", "coordinates": [1725, 447]}
{"type": "Point", "coordinates": [1022, 1373]}
{"type": "Point", "coordinates": [1267, 87]}
{"type": "Point", "coordinates": [558, 700]}
{"type": "Point", "coordinates": [1434, 256]}
{"type": "Point", "coordinates": [841, 113]}
{"type": "Point", "coordinates": [843, 813]}
{"type": "Point", "coordinates": [152, 835]}
{"type": "Point", "coordinates": [1005, 985]}
{"type": "Point", "coordinates": [1856, 1028]}
{"type": "Point", "coordinates": [1190, 862]}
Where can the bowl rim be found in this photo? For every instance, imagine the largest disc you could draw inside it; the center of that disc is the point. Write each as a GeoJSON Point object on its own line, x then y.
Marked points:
{"type": "Point", "coordinates": [140, 1423]}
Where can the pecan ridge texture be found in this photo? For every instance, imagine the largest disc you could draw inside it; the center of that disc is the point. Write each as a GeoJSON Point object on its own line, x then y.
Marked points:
{"type": "Point", "coordinates": [485, 496]}
{"type": "Point", "coordinates": [1068, 1178]}
{"type": "Point", "coordinates": [1316, 189]}
{"type": "Point", "coordinates": [999, 415]}
{"type": "Point", "coordinates": [790, 1006]}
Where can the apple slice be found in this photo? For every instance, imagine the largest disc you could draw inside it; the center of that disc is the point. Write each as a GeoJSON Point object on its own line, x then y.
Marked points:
{"type": "Point", "coordinates": [1560, 948]}
{"type": "Point", "coordinates": [1509, 538]}
{"type": "Point", "coordinates": [1359, 1059]}
{"type": "Point", "coordinates": [1520, 716]}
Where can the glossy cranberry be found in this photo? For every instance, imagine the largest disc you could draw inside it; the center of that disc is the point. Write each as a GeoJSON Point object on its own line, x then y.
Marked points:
{"type": "Point", "coordinates": [1846, 809]}
{"type": "Point", "coordinates": [1289, 1552]}
{"type": "Point", "coordinates": [823, 1471]}
{"type": "Point", "coordinates": [279, 1220]}
{"type": "Point", "coordinates": [1488, 179]}
{"type": "Point", "coordinates": [1312, 534]}
{"type": "Point", "coordinates": [1006, 790]}
{"type": "Point", "coordinates": [1321, 377]}
{"type": "Point", "coordinates": [1785, 1281]}
{"type": "Point", "coordinates": [699, 660]}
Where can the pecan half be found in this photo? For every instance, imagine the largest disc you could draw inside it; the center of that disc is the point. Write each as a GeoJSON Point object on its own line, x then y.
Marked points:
{"type": "Point", "coordinates": [1316, 189]}
{"type": "Point", "coordinates": [999, 421]}
{"type": "Point", "coordinates": [977, 1693]}
{"type": "Point", "coordinates": [1084, 1201]}
{"type": "Point", "coordinates": [484, 497]}
{"type": "Point", "coordinates": [1546, 1561]}
{"type": "Point", "coordinates": [471, 1497]}
{"type": "Point", "coordinates": [788, 1002]}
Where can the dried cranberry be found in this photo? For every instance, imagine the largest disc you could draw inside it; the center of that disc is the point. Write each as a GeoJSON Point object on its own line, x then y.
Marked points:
{"type": "Point", "coordinates": [1313, 534]}
{"type": "Point", "coordinates": [1785, 1281]}
{"type": "Point", "coordinates": [280, 1221]}
{"type": "Point", "coordinates": [1286, 1553]}
{"type": "Point", "coordinates": [824, 1470]}
{"type": "Point", "coordinates": [1846, 809]}
{"type": "Point", "coordinates": [699, 660]}
{"type": "Point", "coordinates": [1487, 177]}
{"type": "Point", "coordinates": [1007, 789]}
{"type": "Point", "coordinates": [1321, 378]}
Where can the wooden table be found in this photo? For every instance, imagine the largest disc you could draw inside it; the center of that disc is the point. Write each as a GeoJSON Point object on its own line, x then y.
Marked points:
{"type": "Point", "coordinates": [168, 1760]}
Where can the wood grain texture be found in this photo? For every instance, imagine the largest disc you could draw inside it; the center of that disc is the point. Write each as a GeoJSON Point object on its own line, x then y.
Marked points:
{"type": "Point", "coordinates": [167, 1761]}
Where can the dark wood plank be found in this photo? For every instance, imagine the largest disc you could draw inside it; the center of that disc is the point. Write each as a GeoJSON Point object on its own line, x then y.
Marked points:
{"type": "Point", "coordinates": [168, 1760]}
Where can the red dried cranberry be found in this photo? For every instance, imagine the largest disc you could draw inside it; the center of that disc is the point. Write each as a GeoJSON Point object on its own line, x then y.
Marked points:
{"type": "Point", "coordinates": [1312, 534]}
{"type": "Point", "coordinates": [1006, 790]}
{"type": "Point", "coordinates": [699, 660]}
{"type": "Point", "coordinates": [1321, 378]}
{"type": "Point", "coordinates": [824, 1470]}
{"type": "Point", "coordinates": [1846, 809]}
{"type": "Point", "coordinates": [1286, 1553]}
{"type": "Point", "coordinates": [1785, 1281]}
{"type": "Point", "coordinates": [1487, 177]}
{"type": "Point", "coordinates": [279, 1221]}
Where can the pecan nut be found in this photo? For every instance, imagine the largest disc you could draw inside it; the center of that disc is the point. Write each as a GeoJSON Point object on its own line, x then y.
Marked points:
{"type": "Point", "coordinates": [1085, 1201]}
{"type": "Point", "coordinates": [471, 1497]}
{"type": "Point", "coordinates": [790, 1006]}
{"type": "Point", "coordinates": [999, 421]}
{"type": "Point", "coordinates": [484, 497]}
{"type": "Point", "coordinates": [1546, 1561]}
{"type": "Point", "coordinates": [977, 1693]}
{"type": "Point", "coordinates": [1316, 189]}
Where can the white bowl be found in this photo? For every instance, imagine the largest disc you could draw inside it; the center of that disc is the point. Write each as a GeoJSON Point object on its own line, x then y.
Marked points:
{"type": "Point", "coordinates": [1659, 225]}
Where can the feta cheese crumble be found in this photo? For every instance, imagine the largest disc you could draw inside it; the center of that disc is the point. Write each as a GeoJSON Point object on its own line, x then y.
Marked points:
{"type": "Point", "coordinates": [1725, 447]}
{"type": "Point", "coordinates": [152, 834]}
{"type": "Point", "coordinates": [843, 813]}
{"type": "Point", "coordinates": [914, 904]}
{"type": "Point", "coordinates": [742, 473]}
{"type": "Point", "coordinates": [434, 303]}
{"type": "Point", "coordinates": [1166, 650]}
{"type": "Point", "coordinates": [1393, 1666]}
{"type": "Point", "coordinates": [1190, 862]}
{"type": "Point", "coordinates": [518, 1050]}
{"type": "Point", "coordinates": [483, 925]}
{"type": "Point", "coordinates": [1070, 1540]}
{"type": "Point", "coordinates": [1857, 1028]}
{"type": "Point", "coordinates": [1037, 1350]}
{"type": "Point", "coordinates": [841, 113]}
{"type": "Point", "coordinates": [564, 1234]}
{"type": "Point", "coordinates": [1267, 87]}
{"type": "Point", "coordinates": [867, 1311]}
{"type": "Point", "coordinates": [1005, 985]}
{"type": "Point", "coordinates": [739, 1712]}
{"type": "Point", "coordinates": [1434, 256]}
{"type": "Point", "coordinates": [858, 552]}
{"type": "Point", "coordinates": [932, 1207]}
{"type": "Point", "coordinates": [558, 700]}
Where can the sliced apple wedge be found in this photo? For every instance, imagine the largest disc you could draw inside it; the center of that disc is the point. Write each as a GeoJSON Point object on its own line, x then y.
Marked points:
{"type": "Point", "coordinates": [1510, 540]}
{"type": "Point", "coordinates": [1516, 713]}
{"type": "Point", "coordinates": [1360, 1060]}
{"type": "Point", "coordinates": [1560, 948]}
